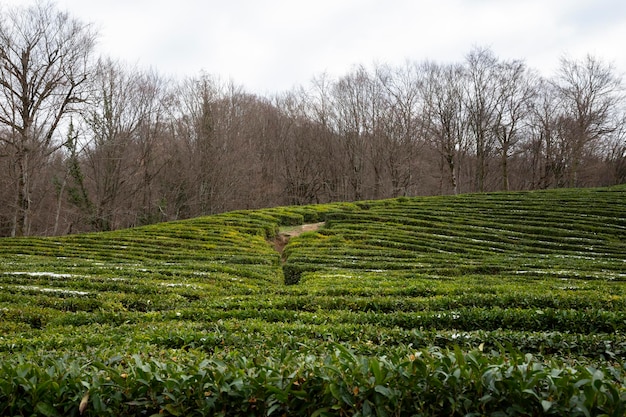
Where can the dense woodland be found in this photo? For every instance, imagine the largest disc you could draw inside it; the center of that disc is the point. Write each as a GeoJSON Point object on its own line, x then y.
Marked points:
{"type": "Point", "coordinates": [91, 144]}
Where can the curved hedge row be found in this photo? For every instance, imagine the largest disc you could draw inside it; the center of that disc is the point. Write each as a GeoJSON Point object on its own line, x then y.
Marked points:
{"type": "Point", "coordinates": [502, 304]}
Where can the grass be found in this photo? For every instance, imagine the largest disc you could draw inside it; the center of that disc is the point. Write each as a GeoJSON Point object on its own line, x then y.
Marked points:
{"type": "Point", "coordinates": [517, 297]}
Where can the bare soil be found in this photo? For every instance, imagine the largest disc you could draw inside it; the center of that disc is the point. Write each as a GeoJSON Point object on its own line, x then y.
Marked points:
{"type": "Point", "coordinates": [281, 240]}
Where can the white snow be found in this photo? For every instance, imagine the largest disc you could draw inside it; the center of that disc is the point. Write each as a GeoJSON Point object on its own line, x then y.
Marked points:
{"type": "Point", "coordinates": [41, 274]}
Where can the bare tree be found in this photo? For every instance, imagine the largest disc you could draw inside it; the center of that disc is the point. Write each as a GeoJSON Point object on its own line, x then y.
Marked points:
{"type": "Point", "coordinates": [516, 89]}
{"type": "Point", "coordinates": [543, 148]}
{"type": "Point", "coordinates": [614, 153]}
{"type": "Point", "coordinates": [152, 142]}
{"type": "Point", "coordinates": [44, 57]}
{"type": "Point", "coordinates": [444, 117]}
{"type": "Point", "coordinates": [198, 155]}
{"type": "Point", "coordinates": [111, 122]}
{"type": "Point", "coordinates": [237, 127]}
{"type": "Point", "coordinates": [300, 152]}
{"type": "Point", "coordinates": [124, 125]}
{"type": "Point", "coordinates": [357, 102]}
{"type": "Point", "coordinates": [224, 131]}
{"type": "Point", "coordinates": [481, 101]}
{"type": "Point", "coordinates": [320, 108]}
{"type": "Point", "coordinates": [588, 92]}
{"type": "Point", "coordinates": [400, 134]}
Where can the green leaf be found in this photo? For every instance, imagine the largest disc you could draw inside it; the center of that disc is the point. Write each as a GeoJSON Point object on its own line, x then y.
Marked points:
{"type": "Point", "coordinates": [383, 391]}
{"type": "Point", "coordinates": [546, 405]}
{"type": "Point", "coordinates": [345, 353]}
{"type": "Point", "coordinates": [22, 370]}
{"type": "Point", "coordinates": [375, 368]}
{"type": "Point", "coordinates": [173, 410]}
{"type": "Point", "coordinates": [367, 409]}
{"type": "Point", "coordinates": [322, 412]}
{"type": "Point", "coordinates": [46, 410]}
{"type": "Point", "coordinates": [272, 409]}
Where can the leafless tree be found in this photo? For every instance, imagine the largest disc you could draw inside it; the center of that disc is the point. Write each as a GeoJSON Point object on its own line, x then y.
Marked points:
{"type": "Point", "coordinates": [444, 116]}
{"type": "Point", "coordinates": [196, 153]}
{"type": "Point", "coordinates": [353, 106]}
{"type": "Point", "coordinates": [44, 66]}
{"type": "Point", "coordinates": [368, 120]}
{"type": "Point", "coordinates": [300, 150]}
{"type": "Point", "coordinates": [481, 101]}
{"type": "Point", "coordinates": [401, 133]}
{"type": "Point", "coordinates": [123, 128]}
{"type": "Point", "coordinates": [152, 143]}
{"type": "Point", "coordinates": [615, 154]}
{"type": "Point", "coordinates": [516, 90]}
{"type": "Point", "coordinates": [225, 133]}
{"type": "Point", "coordinates": [588, 92]}
{"type": "Point", "coordinates": [545, 153]}
{"type": "Point", "coordinates": [320, 108]}
{"type": "Point", "coordinates": [111, 122]}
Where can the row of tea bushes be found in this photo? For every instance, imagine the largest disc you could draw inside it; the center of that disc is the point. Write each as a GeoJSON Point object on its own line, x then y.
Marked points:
{"type": "Point", "coordinates": [514, 298]}
{"type": "Point", "coordinates": [571, 234]}
{"type": "Point", "coordinates": [427, 382]}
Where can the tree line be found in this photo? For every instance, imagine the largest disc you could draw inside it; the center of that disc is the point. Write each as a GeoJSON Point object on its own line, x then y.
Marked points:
{"type": "Point", "coordinates": [92, 144]}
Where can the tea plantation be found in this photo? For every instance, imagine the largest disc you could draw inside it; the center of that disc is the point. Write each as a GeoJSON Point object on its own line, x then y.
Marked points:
{"type": "Point", "coordinates": [484, 304]}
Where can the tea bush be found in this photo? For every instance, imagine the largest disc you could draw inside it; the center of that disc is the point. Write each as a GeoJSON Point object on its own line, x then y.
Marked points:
{"type": "Point", "coordinates": [484, 304]}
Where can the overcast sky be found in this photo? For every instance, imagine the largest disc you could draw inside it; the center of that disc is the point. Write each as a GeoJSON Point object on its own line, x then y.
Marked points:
{"type": "Point", "coordinates": [273, 45]}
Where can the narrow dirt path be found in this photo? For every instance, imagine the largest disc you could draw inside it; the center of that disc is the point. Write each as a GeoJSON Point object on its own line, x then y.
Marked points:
{"type": "Point", "coordinates": [281, 240]}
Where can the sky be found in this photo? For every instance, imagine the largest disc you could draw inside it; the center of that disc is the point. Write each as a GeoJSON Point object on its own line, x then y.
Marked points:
{"type": "Point", "coordinates": [268, 46]}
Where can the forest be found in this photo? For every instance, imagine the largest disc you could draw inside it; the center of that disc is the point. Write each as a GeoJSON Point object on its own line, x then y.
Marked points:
{"type": "Point", "coordinates": [88, 143]}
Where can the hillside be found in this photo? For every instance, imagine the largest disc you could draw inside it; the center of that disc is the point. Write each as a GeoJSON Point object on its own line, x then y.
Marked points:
{"type": "Point", "coordinates": [510, 303]}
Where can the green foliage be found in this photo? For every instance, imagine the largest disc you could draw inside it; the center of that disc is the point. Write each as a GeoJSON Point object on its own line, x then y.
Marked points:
{"type": "Point", "coordinates": [491, 304]}
{"type": "Point", "coordinates": [76, 192]}
{"type": "Point", "coordinates": [430, 382]}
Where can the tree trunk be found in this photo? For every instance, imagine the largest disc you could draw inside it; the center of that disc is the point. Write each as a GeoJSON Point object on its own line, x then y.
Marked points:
{"type": "Point", "coordinates": [22, 207]}
{"type": "Point", "coordinates": [57, 215]}
{"type": "Point", "coordinates": [480, 165]}
{"type": "Point", "coordinates": [505, 169]}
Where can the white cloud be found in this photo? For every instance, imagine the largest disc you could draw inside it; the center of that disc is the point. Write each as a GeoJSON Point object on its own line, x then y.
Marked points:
{"type": "Point", "coordinates": [271, 45]}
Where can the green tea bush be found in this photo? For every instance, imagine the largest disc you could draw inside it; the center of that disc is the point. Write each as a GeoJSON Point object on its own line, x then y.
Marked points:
{"type": "Point", "coordinates": [426, 382]}
{"type": "Point", "coordinates": [489, 304]}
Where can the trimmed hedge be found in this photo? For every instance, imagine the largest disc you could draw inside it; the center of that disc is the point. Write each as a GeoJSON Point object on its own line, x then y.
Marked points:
{"type": "Point", "coordinates": [498, 304]}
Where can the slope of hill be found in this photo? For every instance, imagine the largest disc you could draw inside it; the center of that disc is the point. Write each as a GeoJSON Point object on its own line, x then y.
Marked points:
{"type": "Point", "coordinates": [487, 303]}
